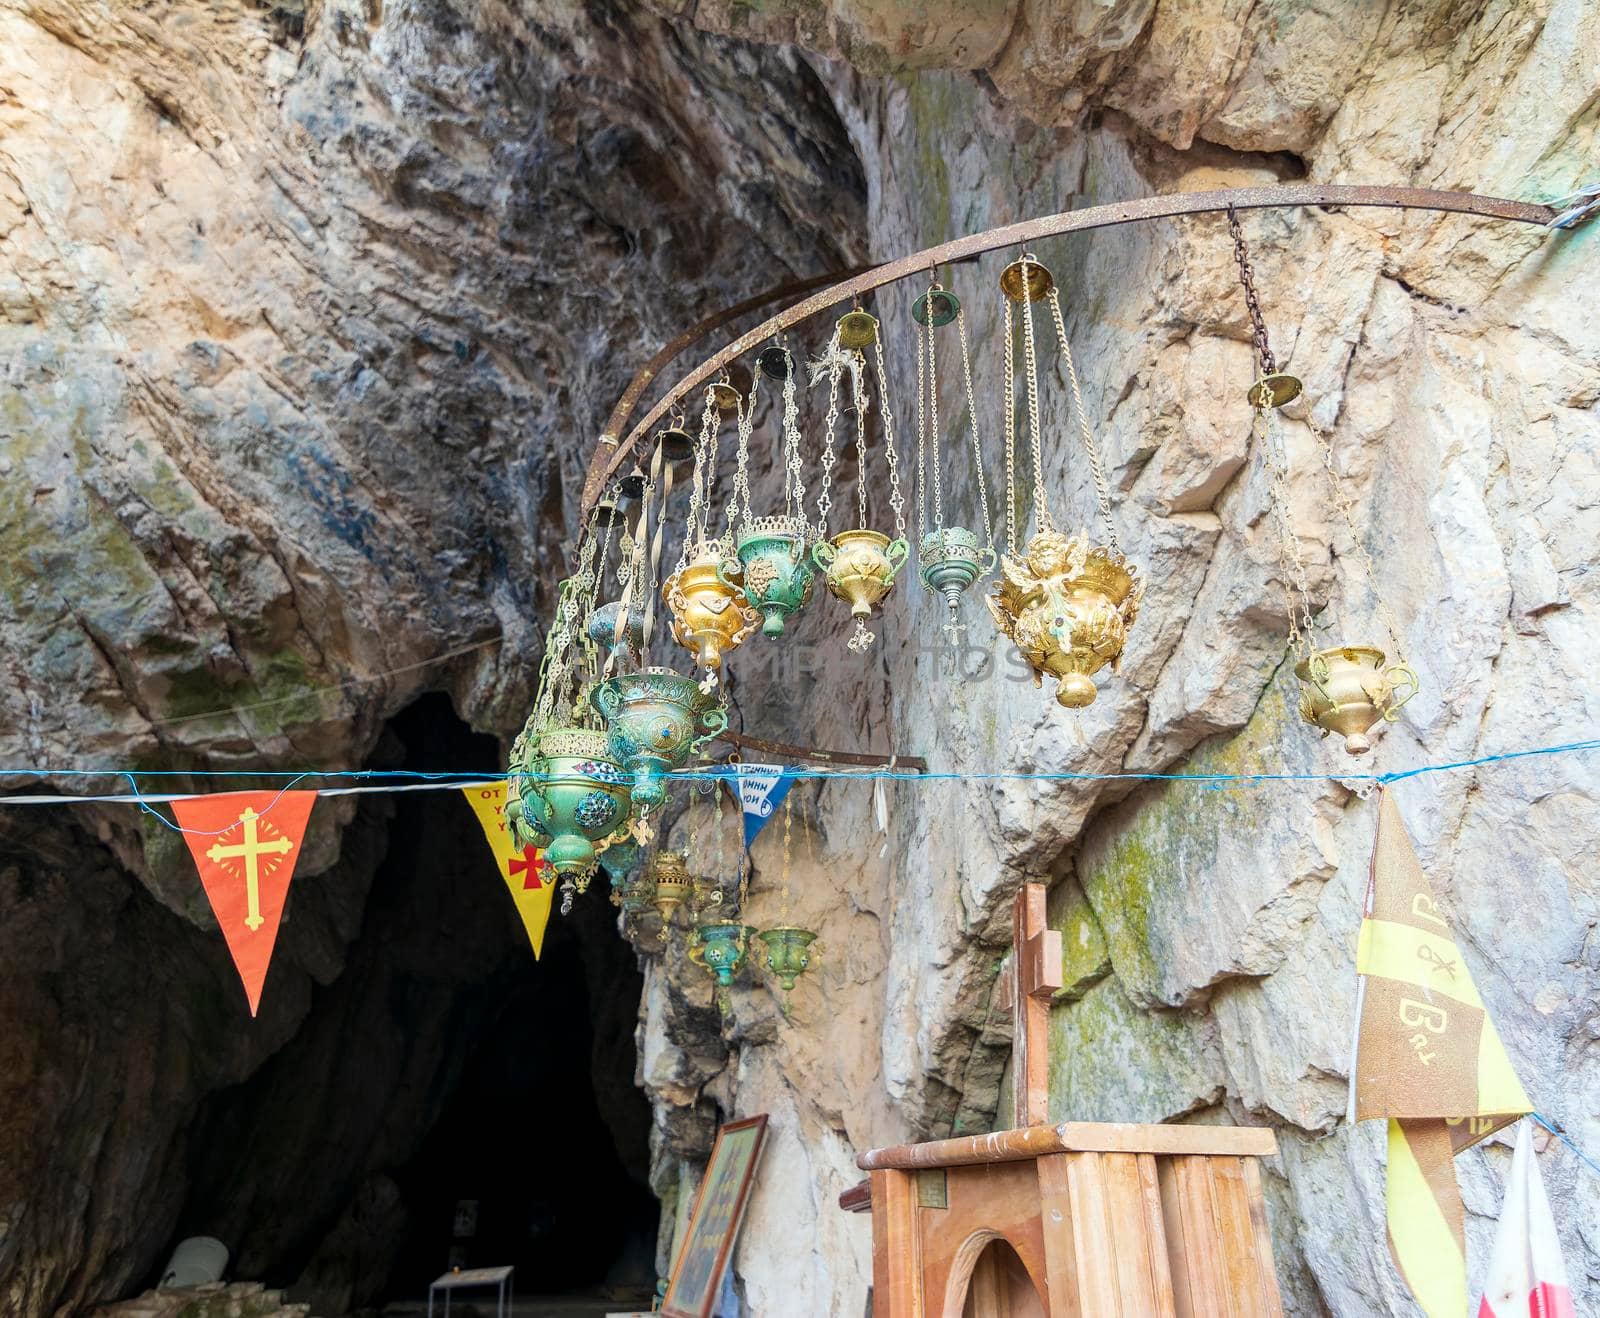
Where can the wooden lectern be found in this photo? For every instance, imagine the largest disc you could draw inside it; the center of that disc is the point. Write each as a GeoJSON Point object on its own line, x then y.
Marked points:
{"type": "Point", "coordinates": [1075, 1220]}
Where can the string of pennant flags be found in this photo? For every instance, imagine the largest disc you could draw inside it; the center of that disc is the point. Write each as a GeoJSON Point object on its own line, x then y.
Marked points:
{"type": "Point", "coordinates": [246, 843]}
{"type": "Point", "coordinates": [1425, 1056]}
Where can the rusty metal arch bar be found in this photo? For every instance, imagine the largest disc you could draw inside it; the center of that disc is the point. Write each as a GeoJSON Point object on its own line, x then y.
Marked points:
{"type": "Point", "coordinates": [612, 451]}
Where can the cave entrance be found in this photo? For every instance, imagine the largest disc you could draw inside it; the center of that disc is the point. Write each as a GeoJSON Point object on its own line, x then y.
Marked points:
{"type": "Point", "coordinates": [539, 1157]}
{"type": "Point", "coordinates": [446, 1100]}
{"type": "Point", "coordinates": [524, 1167]}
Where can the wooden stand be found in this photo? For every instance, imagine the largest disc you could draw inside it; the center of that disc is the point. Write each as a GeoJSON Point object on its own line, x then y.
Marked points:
{"type": "Point", "coordinates": [1076, 1219]}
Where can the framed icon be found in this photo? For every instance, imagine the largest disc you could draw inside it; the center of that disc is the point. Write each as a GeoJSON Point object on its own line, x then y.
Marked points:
{"type": "Point", "coordinates": [718, 1210]}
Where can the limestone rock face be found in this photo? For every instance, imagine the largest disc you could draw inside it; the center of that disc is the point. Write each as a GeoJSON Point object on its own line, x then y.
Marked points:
{"type": "Point", "coordinates": [1211, 934]}
{"type": "Point", "coordinates": [309, 316]}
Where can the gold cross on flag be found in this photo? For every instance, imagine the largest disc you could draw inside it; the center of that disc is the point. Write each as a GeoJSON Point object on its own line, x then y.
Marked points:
{"type": "Point", "coordinates": [249, 850]}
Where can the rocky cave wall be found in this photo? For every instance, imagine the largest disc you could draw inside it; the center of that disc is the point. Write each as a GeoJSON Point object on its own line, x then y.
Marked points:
{"type": "Point", "coordinates": [1211, 934]}
{"type": "Point", "coordinates": [330, 300]}
{"type": "Point", "coordinates": [307, 316]}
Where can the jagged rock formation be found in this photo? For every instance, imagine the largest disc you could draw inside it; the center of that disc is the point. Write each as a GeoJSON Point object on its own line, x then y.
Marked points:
{"type": "Point", "coordinates": [309, 314]}
{"type": "Point", "coordinates": [245, 1299]}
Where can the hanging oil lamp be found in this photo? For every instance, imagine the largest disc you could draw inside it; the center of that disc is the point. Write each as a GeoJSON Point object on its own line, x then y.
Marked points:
{"type": "Point", "coordinates": [860, 564]}
{"type": "Point", "coordinates": [695, 950]}
{"type": "Point", "coordinates": [772, 554]}
{"type": "Point", "coordinates": [1344, 689]}
{"type": "Point", "coordinates": [654, 718]}
{"type": "Point", "coordinates": [1066, 603]}
{"type": "Point", "coordinates": [952, 558]}
{"type": "Point", "coordinates": [670, 885]}
{"type": "Point", "coordinates": [618, 854]}
{"type": "Point", "coordinates": [565, 791]}
{"type": "Point", "coordinates": [565, 794]}
{"type": "Point", "coordinates": [607, 628]}
{"type": "Point", "coordinates": [788, 947]}
{"type": "Point", "coordinates": [722, 947]}
{"type": "Point", "coordinates": [638, 895]}
{"type": "Point", "coordinates": [710, 616]}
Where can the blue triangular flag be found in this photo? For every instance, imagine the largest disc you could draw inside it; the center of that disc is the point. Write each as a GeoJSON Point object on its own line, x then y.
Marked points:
{"type": "Point", "coordinates": [762, 788]}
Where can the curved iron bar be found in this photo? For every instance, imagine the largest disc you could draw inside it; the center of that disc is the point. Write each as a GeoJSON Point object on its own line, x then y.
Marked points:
{"type": "Point", "coordinates": [611, 451]}
{"type": "Point", "coordinates": [652, 368]}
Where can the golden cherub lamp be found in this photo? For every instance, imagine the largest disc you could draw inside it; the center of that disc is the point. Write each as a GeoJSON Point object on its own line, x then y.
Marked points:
{"type": "Point", "coordinates": [1066, 603]}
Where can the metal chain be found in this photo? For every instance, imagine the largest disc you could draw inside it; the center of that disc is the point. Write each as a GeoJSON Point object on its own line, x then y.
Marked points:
{"type": "Point", "coordinates": [633, 579]}
{"type": "Point", "coordinates": [625, 548]}
{"type": "Point", "coordinates": [718, 859]}
{"type": "Point", "coordinates": [896, 499]}
{"type": "Point", "coordinates": [605, 553]}
{"type": "Point", "coordinates": [933, 424]}
{"type": "Point", "coordinates": [858, 385]}
{"type": "Point", "coordinates": [1268, 433]}
{"type": "Point", "coordinates": [740, 503]}
{"type": "Point", "coordinates": [972, 415]}
{"type": "Point", "coordinates": [1102, 488]}
{"type": "Point", "coordinates": [788, 825]}
{"type": "Point", "coordinates": [557, 666]}
{"type": "Point", "coordinates": [1041, 504]}
{"type": "Point", "coordinates": [830, 425]}
{"type": "Point", "coordinates": [698, 494]}
{"type": "Point", "coordinates": [591, 652]}
{"type": "Point", "coordinates": [1009, 404]}
{"type": "Point", "coordinates": [922, 439]}
{"type": "Point", "coordinates": [713, 456]}
{"type": "Point", "coordinates": [794, 492]}
{"type": "Point", "coordinates": [1258, 326]}
{"type": "Point", "coordinates": [663, 479]}
{"type": "Point", "coordinates": [692, 848]}
{"type": "Point", "coordinates": [1346, 508]}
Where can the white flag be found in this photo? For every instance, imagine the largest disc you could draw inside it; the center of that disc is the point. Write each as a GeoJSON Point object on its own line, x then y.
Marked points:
{"type": "Point", "coordinates": [1527, 1277]}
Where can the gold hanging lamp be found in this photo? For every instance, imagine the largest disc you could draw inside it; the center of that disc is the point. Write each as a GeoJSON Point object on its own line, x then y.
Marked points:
{"type": "Point", "coordinates": [710, 616]}
{"type": "Point", "coordinates": [1066, 603]}
{"type": "Point", "coordinates": [1344, 689]}
{"type": "Point", "coordinates": [859, 564]}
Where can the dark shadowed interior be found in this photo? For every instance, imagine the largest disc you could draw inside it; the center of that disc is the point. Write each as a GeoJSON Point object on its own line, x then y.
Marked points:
{"type": "Point", "coordinates": [448, 1101]}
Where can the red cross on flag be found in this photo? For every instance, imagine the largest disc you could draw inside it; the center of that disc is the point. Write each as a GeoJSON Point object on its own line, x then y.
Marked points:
{"type": "Point", "coordinates": [524, 870]}
{"type": "Point", "coordinates": [531, 865]}
{"type": "Point", "coordinates": [245, 845]}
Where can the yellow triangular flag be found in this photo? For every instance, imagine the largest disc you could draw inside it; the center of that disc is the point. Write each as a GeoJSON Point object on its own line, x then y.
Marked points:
{"type": "Point", "coordinates": [1428, 1060]}
{"type": "Point", "coordinates": [526, 872]}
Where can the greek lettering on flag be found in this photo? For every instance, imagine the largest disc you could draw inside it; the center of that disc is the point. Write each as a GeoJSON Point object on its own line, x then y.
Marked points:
{"type": "Point", "coordinates": [762, 788]}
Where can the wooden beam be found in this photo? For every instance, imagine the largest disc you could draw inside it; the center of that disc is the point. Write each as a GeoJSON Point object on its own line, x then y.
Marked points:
{"type": "Point", "coordinates": [858, 1198]}
{"type": "Point", "coordinates": [910, 763]}
{"type": "Point", "coordinates": [1074, 1137]}
{"type": "Point", "coordinates": [1036, 975]}
{"type": "Point", "coordinates": [896, 1270]}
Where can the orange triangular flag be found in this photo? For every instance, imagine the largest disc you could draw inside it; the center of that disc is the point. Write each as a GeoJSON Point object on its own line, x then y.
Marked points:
{"type": "Point", "coordinates": [246, 845]}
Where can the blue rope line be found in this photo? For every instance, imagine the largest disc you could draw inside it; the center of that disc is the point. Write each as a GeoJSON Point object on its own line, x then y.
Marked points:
{"type": "Point", "coordinates": [197, 832]}
{"type": "Point", "coordinates": [727, 773]}
{"type": "Point", "coordinates": [1562, 1136]}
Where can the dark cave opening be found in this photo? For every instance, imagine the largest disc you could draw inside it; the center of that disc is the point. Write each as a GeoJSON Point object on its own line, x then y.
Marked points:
{"type": "Point", "coordinates": [448, 1100]}
{"type": "Point", "coordinates": [534, 1175]}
